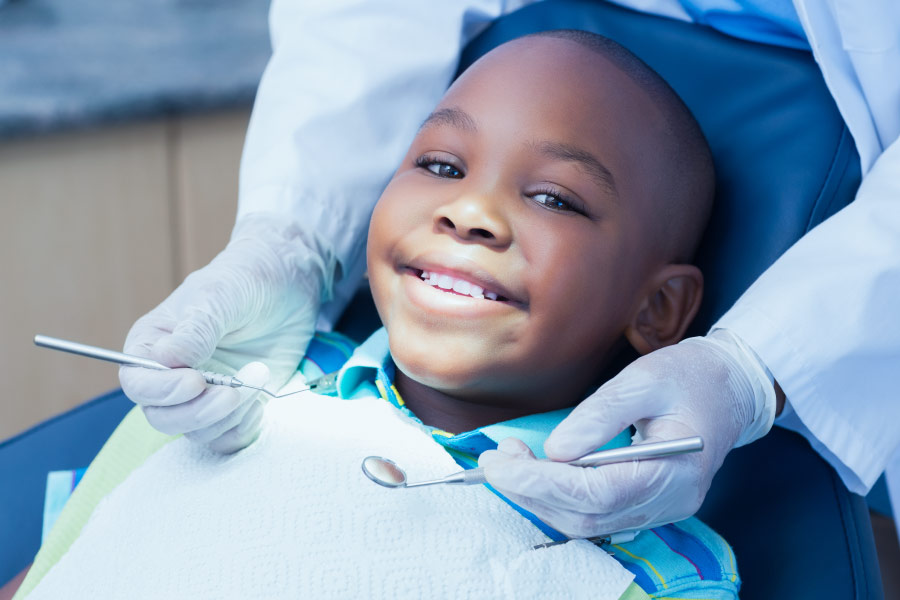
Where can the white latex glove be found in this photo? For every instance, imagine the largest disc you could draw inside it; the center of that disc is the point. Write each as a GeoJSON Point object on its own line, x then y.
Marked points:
{"type": "Point", "coordinates": [714, 386]}
{"type": "Point", "coordinates": [256, 301]}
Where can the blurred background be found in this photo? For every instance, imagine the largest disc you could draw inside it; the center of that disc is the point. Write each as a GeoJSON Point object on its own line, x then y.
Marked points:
{"type": "Point", "coordinates": [121, 127]}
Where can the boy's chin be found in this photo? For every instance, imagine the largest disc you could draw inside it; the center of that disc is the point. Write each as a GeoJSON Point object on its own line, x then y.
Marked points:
{"type": "Point", "coordinates": [443, 375]}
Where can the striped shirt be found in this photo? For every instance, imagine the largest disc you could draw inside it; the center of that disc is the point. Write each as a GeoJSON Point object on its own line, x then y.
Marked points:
{"type": "Point", "coordinates": [684, 560]}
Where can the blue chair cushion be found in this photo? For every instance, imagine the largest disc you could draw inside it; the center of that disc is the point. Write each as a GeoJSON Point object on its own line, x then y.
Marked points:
{"type": "Point", "coordinates": [68, 441]}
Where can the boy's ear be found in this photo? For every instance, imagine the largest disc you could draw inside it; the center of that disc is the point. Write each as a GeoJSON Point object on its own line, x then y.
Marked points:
{"type": "Point", "coordinates": [669, 306]}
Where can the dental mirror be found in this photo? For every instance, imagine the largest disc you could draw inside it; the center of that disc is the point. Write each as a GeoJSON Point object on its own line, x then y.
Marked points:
{"type": "Point", "coordinates": [386, 472]}
{"type": "Point", "coordinates": [383, 471]}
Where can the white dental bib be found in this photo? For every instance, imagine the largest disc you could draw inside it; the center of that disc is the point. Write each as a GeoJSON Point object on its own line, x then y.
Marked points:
{"type": "Point", "coordinates": [293, 516]}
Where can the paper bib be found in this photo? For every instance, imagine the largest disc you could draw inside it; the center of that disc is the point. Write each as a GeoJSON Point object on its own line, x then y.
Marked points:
{"type": "Point", "coordinates": [293, 516]}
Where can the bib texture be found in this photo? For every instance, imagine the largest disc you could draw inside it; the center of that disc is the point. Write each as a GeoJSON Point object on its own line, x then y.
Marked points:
{"type": "Point", "coordinates": [293, 516]}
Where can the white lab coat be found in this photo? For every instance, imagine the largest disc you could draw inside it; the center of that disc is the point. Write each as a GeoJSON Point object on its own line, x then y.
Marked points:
{"type": "Point", "coordinates": [350, 81]}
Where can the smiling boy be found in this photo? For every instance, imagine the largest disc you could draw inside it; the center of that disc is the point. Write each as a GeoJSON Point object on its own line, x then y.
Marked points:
{"type": "Point", "coordinates": [541, 222]}
{"type": "Point", "coordinates": [565, 182]}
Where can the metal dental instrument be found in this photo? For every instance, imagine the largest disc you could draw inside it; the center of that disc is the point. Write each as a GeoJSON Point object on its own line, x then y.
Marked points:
{"type": "Point", "coordinates": [387, 473]}
{"type": "Point", "coordinates": [322, 384]}
{"type": "Point", "coordinates": [601, 541]}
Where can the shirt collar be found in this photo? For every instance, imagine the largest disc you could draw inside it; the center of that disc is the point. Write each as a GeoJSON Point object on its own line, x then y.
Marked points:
{"type": "Point", "coordinates": [370, 370]}
{"type": "Point", "coordinates": [370, 359]}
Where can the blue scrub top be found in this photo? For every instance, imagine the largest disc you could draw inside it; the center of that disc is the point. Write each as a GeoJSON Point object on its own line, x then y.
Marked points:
{"type": "Point", "coordinates": [772, 22]}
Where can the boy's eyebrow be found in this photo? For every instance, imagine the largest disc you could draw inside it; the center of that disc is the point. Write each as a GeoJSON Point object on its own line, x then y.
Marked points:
{"type": "Point", "coordinates": [460, 119]}
{"type": "Point", "coordinates": [455, 117]}
{"type": "Point", "coordinates": [588, 162]}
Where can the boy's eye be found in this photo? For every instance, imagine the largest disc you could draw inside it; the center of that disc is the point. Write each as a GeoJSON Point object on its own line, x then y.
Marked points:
{"type": "Point", "coordinates": [444, 170]}
{"type": "Point", "coordinates": [557, 202]}
{"type": "Point", "coordinates": [438, 167]}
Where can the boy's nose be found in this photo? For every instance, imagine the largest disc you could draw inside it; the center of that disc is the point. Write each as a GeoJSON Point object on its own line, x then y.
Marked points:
{"type": "Point", "coordinates": [473, 218]}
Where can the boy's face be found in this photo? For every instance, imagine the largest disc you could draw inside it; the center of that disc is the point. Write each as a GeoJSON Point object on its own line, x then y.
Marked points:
{"type": "Point", "coordinates": [529, 185]}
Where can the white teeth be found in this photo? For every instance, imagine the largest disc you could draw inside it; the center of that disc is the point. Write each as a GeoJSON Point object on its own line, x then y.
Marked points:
{"type": "Point", "coordinates": [460, 286]}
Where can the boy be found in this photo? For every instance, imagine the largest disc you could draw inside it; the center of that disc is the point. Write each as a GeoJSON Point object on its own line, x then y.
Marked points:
{"type": "Point", "coordinates": [540, 223]}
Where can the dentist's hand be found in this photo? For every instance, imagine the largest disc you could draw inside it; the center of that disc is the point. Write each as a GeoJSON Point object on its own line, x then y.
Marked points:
{"type": "Point", "coordinates": [715, 387]}
{"type": "Point", "coordinates": [258, 300]}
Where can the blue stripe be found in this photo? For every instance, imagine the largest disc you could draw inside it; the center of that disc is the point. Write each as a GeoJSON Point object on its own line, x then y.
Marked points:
{"type": "Point", "coordinates": [641, 578]}
{"type": "Point", "coordinates": [694, 549]}
{"type": "Point", "coordinates": [470, 442]}
{"type": "Point", "coordinates": [327, 356]}
{"type": "Point", "coordinates": [77, 474]}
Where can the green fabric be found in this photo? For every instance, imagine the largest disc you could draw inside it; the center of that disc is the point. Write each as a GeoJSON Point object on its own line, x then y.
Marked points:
{"type": "Point", "coordinates": [634, 592]}
{"type": "Point", "coordinates": [133, 441]}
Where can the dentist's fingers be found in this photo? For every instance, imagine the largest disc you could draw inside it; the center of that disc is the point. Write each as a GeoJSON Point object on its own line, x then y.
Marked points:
{"type": "Point", "coordinates": [255, 374]}
{"type": "Point", "coordinates": [217, 429]}
{"type": "Point", "coordinates": [615, 488]}
{"type": "Point", "coordinates": [213, 406]}
{"type": "Point", "coordinates": [244, 434]}
{"type": "Point", "coordinates": [605, 413]}
{"type": "Point", "coordinates": [508, 448]}
{"type": "Point", "coordinates": [583, 522]}
{"type": "Point", "coordinates": [566, 521]}
{"type": "Point", "coordinates": [149, 387]}
{"type": "Point", "coordinates": [562, 485]}
{"type": "Point", "coordinates": [242, 427]}
{"type": "Point", "coordinates": [210, 407]}
{"type": "Point", "coordinates": [191, 342]}
{"type": "Point", "coordinates": [513, 448]}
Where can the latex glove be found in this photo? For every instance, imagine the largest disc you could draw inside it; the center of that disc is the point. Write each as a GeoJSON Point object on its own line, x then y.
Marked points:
{"type": "Point", "coordinates": [715, 387]}
{"type": "Point", "coordinates": [256, 301]}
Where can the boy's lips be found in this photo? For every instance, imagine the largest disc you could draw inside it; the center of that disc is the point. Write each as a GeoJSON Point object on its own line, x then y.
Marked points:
{"type": "Point", "coordinates": [462, 277]}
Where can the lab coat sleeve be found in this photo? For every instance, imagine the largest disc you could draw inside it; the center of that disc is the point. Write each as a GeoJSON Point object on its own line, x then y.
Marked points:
{"type": "Point", "coordinates": [347, 86]}
{"type": "Point", "coordinates": [825, 319]}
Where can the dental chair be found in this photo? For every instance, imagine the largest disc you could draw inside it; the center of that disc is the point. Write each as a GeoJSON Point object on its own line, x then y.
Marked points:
{"type": "Point", "coordinates": [785, 162]}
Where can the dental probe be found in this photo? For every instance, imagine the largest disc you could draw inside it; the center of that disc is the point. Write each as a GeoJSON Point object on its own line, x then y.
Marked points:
{"type": "Point", "coordinates": [136, 361]}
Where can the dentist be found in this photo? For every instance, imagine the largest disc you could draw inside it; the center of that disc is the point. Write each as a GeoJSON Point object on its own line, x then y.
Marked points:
{"type": "Point", "coordinates": [347, 86]}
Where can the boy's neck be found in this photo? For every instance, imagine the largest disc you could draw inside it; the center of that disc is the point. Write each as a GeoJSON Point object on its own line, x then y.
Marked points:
{"type": "Point", "coordinates": [449, 413]}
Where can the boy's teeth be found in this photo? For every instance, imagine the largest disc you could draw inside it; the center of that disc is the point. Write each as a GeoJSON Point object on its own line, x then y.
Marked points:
{"type": "Point", "coordinates": [460, 286]}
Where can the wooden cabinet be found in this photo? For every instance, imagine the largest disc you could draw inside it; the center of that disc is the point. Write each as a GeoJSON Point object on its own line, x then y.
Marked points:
{"type": "Point", "coordinates": [96, 228]}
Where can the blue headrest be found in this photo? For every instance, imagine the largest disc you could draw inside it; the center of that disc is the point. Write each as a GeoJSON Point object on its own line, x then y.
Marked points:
{"type": "Point", "coordinates": [784, 159]}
